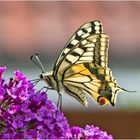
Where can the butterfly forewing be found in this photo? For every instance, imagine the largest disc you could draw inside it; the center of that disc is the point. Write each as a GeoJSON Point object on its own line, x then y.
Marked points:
{"type": "Point", "coordinates": [93, 49]}
{"type": "Point", "coordinates": [87, 29]}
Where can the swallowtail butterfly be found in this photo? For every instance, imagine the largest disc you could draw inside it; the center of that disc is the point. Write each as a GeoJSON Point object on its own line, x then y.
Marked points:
{"type": "Point", "coordinates": [82, 67]}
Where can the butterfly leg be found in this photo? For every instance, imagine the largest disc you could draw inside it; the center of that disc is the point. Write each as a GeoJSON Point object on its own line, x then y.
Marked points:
{"type": "Point", "coordinates": [59, 102]}
{"type": "Point", "coordinates": [47, 88]}
{"type": "Point", "coordinates": [35, 83]}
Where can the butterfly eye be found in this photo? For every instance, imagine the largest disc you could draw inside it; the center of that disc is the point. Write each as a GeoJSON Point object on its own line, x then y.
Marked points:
{"type": "Point", "coordinates": [41, 76]}
{"type": "Point", "coordinates": [101, 100]}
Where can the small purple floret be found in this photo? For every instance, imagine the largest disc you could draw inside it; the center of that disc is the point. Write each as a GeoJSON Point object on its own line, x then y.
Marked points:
{"type": "Point", "coordinates": [89, 132]}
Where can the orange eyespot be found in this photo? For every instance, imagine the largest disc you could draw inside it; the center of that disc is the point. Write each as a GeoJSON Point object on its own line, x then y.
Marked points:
{"type": "Point", "coordinates": [101, 100]}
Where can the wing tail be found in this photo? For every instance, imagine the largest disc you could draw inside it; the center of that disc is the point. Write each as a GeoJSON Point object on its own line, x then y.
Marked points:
{"type": "Point", "coordinates": [125, 90]}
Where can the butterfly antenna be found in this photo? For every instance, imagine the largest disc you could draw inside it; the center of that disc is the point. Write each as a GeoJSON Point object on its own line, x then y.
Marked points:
{"type": "Point", "coordinates": [32, 58]}
{"type": "Point", "coordinates": [37, 62]}
{"type": "Point", "coordinates": [125, 89]}
{"type": "Point", "coordinates": [37, 58]}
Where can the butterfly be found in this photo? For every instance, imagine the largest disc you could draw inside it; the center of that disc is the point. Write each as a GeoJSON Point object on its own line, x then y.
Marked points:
{"type": "Point", "coordinates": [82, 67]}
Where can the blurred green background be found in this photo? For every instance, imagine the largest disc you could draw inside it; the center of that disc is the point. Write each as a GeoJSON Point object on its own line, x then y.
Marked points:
{"type": "Point", "coordinates": [30, 27]}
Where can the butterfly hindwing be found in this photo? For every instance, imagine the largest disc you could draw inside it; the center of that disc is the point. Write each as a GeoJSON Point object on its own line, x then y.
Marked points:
{"type": "Point", "coordinates": [77, 93]}
{"type": "Point", "coordinates": [92, 79]}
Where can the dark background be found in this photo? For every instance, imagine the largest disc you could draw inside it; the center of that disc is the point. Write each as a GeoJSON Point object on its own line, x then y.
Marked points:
{"type": "Point", "coordinates": [45, 27]}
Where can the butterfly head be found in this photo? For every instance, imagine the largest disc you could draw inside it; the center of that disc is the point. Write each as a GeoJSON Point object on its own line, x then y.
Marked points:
{"type": "Point", "coordinates": [48, 78]}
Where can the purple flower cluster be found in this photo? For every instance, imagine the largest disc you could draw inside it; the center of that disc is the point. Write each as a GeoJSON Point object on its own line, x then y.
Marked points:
{"type": "Point", "coordinates": [89, 132]}
{"type": "Point", "coordinates": [28, 114]}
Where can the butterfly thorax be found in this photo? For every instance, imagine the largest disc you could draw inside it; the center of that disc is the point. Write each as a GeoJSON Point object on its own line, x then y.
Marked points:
{"type": "Point", "coordinates": [48, 78]}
